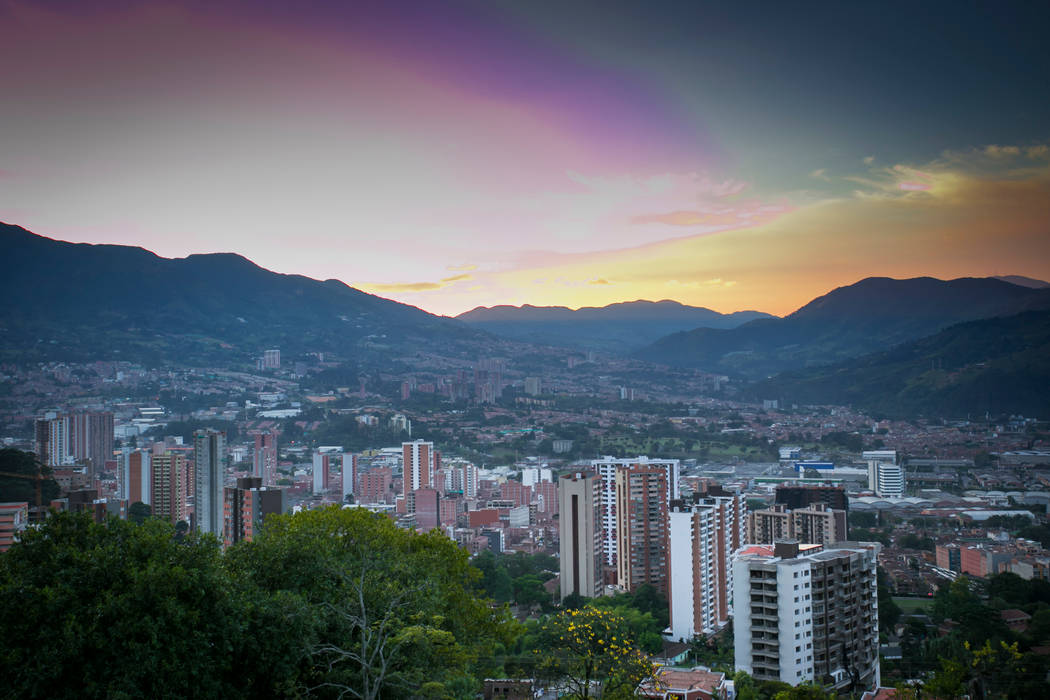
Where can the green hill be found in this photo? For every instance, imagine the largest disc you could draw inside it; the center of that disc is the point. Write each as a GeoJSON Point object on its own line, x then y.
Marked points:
{"type": "Point", "coordinates": [848, 322]}
{"type": "Point", "coordinates": [997, 365]}
{"type": "Point", "coordinates": [68, 301]}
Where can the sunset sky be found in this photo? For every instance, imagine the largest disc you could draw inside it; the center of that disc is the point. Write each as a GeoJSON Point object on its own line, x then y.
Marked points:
{"type": "Point", "coordinates": [456, 154]}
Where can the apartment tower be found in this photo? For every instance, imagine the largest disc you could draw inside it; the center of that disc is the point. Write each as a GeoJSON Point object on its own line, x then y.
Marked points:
{"type": "Point", "coordinates": [579, 501]}
{"type": "Point", "coordinates": [802, 618]}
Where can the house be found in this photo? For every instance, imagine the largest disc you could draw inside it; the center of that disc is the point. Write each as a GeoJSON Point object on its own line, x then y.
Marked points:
{"type": "Point", "coordinates": [697, 683]}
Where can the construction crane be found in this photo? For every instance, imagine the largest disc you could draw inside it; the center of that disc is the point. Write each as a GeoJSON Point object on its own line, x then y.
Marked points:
{"type": "Point", "coordinates": [38, 478]}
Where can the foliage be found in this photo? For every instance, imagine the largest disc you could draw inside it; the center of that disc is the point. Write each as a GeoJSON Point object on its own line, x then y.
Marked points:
{"type": "Point", "coordinates": [994, 365]}
{"type": "Point", "coordinates": [393, 610]}
{"type": "Point", "coordinates": [122, 610]}
{"type": "Point", "coordinates": [517, 577]}
{"type": "Point", "coordinates": [592, 653]}
{"type": "Point", "coordinates": [325, 602]}
{"type": "Point", "coordinates": [139, 511]}
{"type": "Point", "coordinates": [15, 489]}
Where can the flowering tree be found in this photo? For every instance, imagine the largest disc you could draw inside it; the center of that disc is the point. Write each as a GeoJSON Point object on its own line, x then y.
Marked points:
{"type": "Point", "coordinates": [591, 653]}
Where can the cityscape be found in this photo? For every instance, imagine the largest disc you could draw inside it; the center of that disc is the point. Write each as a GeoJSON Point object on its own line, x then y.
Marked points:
{"type": "Point", "coordinates": [506, 350]}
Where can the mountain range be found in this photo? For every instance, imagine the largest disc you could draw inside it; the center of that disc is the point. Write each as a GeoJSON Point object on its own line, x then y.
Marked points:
{"type": "Point", "coordinates": [892, 346]}
{"type": "Point", "coordinates": [79, 301]}
{"type": "Point", "coordinates": [995, 365]}
{"type": "Point", "coordinates": [618, 328]}
{"type": "Point", "coordinates": [872, 315]}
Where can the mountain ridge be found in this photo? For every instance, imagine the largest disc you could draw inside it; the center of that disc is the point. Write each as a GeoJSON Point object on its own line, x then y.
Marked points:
{"type": "Point", "coordinates": [618, 328]}
{"type": "Point", "coordinates": [126, 300]}
{"type": "Point", "coordinates": [995, 365]}
{"type": "Point", "coordinates": [849, 321]}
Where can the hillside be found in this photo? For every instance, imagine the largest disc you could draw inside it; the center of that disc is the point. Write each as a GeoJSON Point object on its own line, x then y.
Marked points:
{"type": "Point", "coordinates": [997, 365]}
{"type": "Point", "coordinates": [78, 301]}
{"type": "Point", "coordinates": [618, 328]}
{"type": "Point", "coordinates": [875, 313]}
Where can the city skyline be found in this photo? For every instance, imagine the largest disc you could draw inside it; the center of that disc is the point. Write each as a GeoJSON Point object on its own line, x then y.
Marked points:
{"type": "Point", "coordinates": [476, 154]}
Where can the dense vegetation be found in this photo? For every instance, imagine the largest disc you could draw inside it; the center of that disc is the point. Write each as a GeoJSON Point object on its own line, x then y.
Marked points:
{"type": "Point", "coordinates": [965, 647]}
{"type": "Point", "coordinates": [998, 365]}
{"type": "Point", "coordinates": [324, 603]}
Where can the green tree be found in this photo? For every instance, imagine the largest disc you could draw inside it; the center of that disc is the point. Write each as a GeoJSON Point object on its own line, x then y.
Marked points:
{"type": "Point", "coordinates": [396, 613]}
{"type": "Point", "coordinates": [120, 610]}
{"type": "Point", "coordinates": [745, 686]}
{"type": "Point", "coordinates": [591, 653]}
{"type": "Point", "coordinates": [139, 511]}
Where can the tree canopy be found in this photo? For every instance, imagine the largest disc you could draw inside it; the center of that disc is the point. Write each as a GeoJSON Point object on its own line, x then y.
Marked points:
{"type": "Point", "coordinates": [326, 603]}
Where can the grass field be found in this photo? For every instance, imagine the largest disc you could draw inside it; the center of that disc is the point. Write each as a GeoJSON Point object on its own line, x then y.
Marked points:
{"type": "Point", "coordinates": [910, 605]}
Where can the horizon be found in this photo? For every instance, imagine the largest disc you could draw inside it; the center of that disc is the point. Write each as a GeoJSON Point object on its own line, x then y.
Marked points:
{"type": "Point", "coordinates": [526, 305]}
{"type": "Point", "coordinates": [479, 154]}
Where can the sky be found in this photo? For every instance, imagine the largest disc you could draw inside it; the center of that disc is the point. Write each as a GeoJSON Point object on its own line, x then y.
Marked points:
{"type": "Point", "coordinates": [451, 155]}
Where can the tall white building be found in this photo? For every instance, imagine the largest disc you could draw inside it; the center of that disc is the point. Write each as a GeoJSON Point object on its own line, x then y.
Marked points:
{"type": "Point", "coordinates": [810, 617]}
{"type": "Point", "coordinates": [209, 464]}
{"type": "Point", "coordinates": [530, 476]}
{"type": "Point", "coordinates": [606, 469]}
{"type": "Point", "coordinates": [322, 469]}
{"type": "Point", "coordinates": [885, 476]}
{"type": "Point", "coordinates": [702, 538]}
{"type": "Point", "coordinates": [348, 475]}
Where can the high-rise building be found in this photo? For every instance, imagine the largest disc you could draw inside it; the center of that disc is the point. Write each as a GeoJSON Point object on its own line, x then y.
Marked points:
{"type": "Point", "coordinates": [545, 494]}
{"type": "Point", "coordinates": [515, 491]}
{"type": "Point", "coordinates": [84, 438]}
{"type": "Point", "coordinates": [264, 457]}
{"type": "Point", "coordinates": [92, 439]}
{"type": "Point", "coordinates": [134, 475]}
{"type": "Point", "coordinates": [808, 617]}
{"type": "Point", "coordinates": [703, 534]}
{"type": "Point", "coordinates": [606, 469]}
{"type": "Point", "coordinates": [348, 475]}
{"type": "Point", "coordinates": [419, 463]}
{"type": "Point", "coordinates": [801, 496]}
{"type": "Point", "coordinates": [468, 480]}
{"type": "Point", "coordinates": [322, 470]}
{"type": "Point", "coordinates": [424, 504]}
{"type": "Point", "coordinates": [816, 524]}
{"type": "Point", "coordinates": [373, 485]}
{"type": "Point", "coordinates": [579, 503]}
{"type": "Point", "coordinates": [885, 475]}
{"type": "Point", "coordinates": [641, 527]}
{"type": "Point", "coordinates": [245, 506]}
{"type": "Point", "coordinates": [271, 359]}
{"type": "Point", "coordinates": [168, 488]}
{"type": "Point", "coordinates": [209, 468]}
{"type": "Point", "coordinates": [533, 386]}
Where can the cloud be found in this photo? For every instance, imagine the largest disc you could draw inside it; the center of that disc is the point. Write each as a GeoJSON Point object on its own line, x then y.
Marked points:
{"type": "Point", "coordinates": [868, 160]}
{"type": "Point", "coordinates": [403, 286]}
{"type": "Point", "coordinates": [721, 217]}
{"type": "Point", "coordinates": [414, 286]}
{"type": "Point", "coordinates": [461, 268]}
{"type": "Point", "coordinates": [600, 280]}
{"type": "Point", "coordinates": [820, 174]}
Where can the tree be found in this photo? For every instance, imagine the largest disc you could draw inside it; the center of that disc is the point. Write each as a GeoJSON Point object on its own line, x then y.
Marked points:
{"type": "Point", "coordinates": [13, 488]}
{"type": "Point", "coordinates": [138, 512]}
{"type": "Point", "coordinates": [591, 653]}
{"type": "Point", "coordinates": [395, 612]}
{"type": "Point", "coordinates": [120, 610]}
